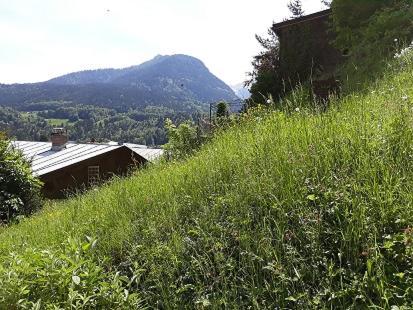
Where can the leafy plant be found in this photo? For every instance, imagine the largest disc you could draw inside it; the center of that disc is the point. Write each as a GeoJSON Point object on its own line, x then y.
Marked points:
{"type": "Point", "coordinates": [67, 277]}
{"type": "Point", "coordinates": [19, 189]}
{"type": "Point", "coordinates": [372, 32]}
{"type": "Point", "coordinates": [183, 139]}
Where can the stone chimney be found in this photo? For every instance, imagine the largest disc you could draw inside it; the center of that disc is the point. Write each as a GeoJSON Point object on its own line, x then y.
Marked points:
{"type": "Point", "coordinates": [59, 139]}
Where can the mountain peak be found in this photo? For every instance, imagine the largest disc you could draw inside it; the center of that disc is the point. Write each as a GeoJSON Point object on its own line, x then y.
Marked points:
{"type": "Point", "coordinates": [165, 79]}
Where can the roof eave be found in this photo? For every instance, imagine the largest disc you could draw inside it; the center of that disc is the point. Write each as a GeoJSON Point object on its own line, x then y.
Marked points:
{"type": "Point", "coordinates": [277, 27]}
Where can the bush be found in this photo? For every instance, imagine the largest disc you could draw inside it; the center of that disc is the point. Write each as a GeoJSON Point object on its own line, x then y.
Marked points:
{"type": "Point", "coordinates": [372, 31]}
{"type": "Point", "coordinates": [183, 139]}
{"type": "Point", "coordinates": [19, 189]}
{"type": "Point", "coordinates": [68, 278]}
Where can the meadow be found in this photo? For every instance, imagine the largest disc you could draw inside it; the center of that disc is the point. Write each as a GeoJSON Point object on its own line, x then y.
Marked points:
{"type": "Point", "coordinates": [290, 208]}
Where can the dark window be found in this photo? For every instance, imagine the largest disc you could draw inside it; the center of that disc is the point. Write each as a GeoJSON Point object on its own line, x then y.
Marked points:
{"type": "Point", "coordinates": [93, 175]}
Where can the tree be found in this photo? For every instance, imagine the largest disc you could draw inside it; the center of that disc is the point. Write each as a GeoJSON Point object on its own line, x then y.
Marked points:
{"type": "Point", "coordinates": [19, 189]}
{"type": "Point", "coordinates": [295, 8]}
{"type": "Point", "coordinates": [265, 79]}
{"type": "Point", "coordinates": [222, 109]}
{"type": "Point", "coordinates": [327, 3]}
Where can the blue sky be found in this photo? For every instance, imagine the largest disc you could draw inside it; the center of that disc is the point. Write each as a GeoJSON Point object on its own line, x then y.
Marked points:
{"type": "Point", "coordinates": [41, 39]}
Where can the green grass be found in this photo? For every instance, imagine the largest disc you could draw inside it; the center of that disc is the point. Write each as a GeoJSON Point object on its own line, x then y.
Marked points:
{"type": "Point", "coordinates": [287, 209]}
{"type": "Point", "coordinates": [58, 121]}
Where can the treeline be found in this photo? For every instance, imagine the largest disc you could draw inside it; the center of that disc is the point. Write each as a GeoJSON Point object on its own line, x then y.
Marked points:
{"type": "Point", "coordinates": [87, 123]}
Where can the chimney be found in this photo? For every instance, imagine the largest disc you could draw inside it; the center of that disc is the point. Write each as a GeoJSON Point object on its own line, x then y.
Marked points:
{"type": "Point", "coordinates": [59, 139]}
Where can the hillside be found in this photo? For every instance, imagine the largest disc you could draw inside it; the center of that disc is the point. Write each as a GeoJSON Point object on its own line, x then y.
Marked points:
{"type": "Point", "coordinates": [168, 81]}
{"type": "Point", "coordinates": [292, 209]}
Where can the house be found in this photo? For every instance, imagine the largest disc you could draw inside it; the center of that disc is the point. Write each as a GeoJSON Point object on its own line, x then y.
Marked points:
{"type": "Point", "coordinates": [306, 51]}
{"type": "Point", "coordinates": [65, 167]}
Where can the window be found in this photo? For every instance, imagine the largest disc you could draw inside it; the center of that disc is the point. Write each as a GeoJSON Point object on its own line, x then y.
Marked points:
{"type": "Point", "coordinates": [93, 174]}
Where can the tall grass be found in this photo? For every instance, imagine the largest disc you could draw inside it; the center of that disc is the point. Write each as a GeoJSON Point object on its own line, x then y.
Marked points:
{"type": "Point", "coordinates": [292, 209]}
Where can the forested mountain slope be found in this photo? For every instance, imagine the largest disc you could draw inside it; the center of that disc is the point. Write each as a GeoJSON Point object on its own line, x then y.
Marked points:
{"type": "Point", "coordinates": [170, 81]}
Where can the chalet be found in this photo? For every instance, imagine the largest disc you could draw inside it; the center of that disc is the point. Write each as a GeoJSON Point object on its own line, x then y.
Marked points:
{"type": "Point", "coordinates": [306, 50]}
{"type": "Point", "coordinates": [65, 167]}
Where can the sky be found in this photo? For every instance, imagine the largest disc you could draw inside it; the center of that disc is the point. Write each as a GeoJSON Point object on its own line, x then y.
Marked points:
{"type": "Point", "coordinates": [42, 39]}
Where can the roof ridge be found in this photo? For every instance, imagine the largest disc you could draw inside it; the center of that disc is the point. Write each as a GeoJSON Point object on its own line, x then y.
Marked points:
{"type": "Point", "coordinates": [302, 19]}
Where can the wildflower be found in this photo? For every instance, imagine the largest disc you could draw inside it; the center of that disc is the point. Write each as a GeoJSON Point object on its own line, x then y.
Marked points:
{"type": "Point", "coordinates": [297, 109]}
{"type": "Point", "coordinates": [268, 101]}
{"type": "Point", "coordinates": [405, 97]}
{"type": "Point", "coordinates": [396, 40]}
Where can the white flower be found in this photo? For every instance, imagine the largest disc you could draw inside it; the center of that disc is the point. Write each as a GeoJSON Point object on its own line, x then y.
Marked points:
{"type": "Point", "coordinates": [297, 109]}
{"type": "Point", "coordinates": [396, 40]}
{"type": "Point", "coordinates": [405, 97]}
{"type": "Point", "coordinates": [268, 101]}
{"type": "Point", "coordinates": [407, 51]}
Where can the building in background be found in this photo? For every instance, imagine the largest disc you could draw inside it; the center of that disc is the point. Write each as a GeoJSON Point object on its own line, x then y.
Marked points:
{"type": "Point", "coordinates": [307, 52]}
{"type": "Point", "coordinates": [66, 167]}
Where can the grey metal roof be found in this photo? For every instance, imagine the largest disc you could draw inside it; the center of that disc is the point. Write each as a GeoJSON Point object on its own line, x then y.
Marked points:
{"type": "Point", "coordinates": [147, 153]}
{"type": "Point", "coordinates": [44, 160]}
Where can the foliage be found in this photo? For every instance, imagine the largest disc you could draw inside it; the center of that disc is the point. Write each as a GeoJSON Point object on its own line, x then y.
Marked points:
{"type": "Point", "coordinates": [266, 79]}
{"type": "Point", "coordinates": [372, 31]}
{"type": "Point", "coordinates": [290, 209]}
{"type": "Point", "coordinates": [327, 3]}
{"type": "Point", "coordinates": [65, 278]}
{"type": "Point", "coordinates": [19, 189]}
{"type": "Point", "coordinates": [277, 72]}
{"type": "Point", "coordinates": [296, 8]}
{"type": "Point", "coordinates": [34, 122]}
{"type": "Point", "coordinates": [183, 140]}
{"type": "Point", "coordinates": [222, 109]}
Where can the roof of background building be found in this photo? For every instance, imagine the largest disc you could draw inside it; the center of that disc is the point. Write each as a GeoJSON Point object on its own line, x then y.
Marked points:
{"type": "Point", "coordinates": [303, 19]}
{"type": "Point", "coordinates": [44, 160]}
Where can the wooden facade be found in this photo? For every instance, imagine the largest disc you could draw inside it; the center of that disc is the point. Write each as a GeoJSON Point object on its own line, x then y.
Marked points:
{"type": "Point", "coordinates": [68, 167]}
{"type": "Point", "coordinates": [69, 179]}
{"type": "Point", "coordinates": [306, 50]}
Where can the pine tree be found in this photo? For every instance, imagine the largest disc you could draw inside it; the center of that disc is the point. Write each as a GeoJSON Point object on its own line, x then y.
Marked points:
{"type": "Point", "coordinates": [296, 8]}
{"type": "Point", "coordinates": [327, 3]}
{"type": "Point", "coordinates": [222, 109]}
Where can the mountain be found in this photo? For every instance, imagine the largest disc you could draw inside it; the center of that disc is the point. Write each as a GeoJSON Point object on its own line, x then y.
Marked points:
{"type": "Point", "coordinates": [165, 80]}
{"type": "Point", "coordinates": [241, 91]}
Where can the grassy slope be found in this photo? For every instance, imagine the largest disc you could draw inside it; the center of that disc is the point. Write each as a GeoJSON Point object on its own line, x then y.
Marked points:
{"type": "Point", "coordinates": [295, 210]}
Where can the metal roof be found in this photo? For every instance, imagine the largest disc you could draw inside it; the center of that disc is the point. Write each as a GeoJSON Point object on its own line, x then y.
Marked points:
{"type": "Point", "coordinates": [44, 160]}
{"type": "Point", "coordinates": [147, 153]}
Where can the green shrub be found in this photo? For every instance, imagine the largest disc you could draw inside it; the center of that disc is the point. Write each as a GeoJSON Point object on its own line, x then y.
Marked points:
{"type": "Point", "coordinates": [67, 278]}
{"type": "Point", "coordinates": [372, 31]}
{"type": "Point", "coordinates": [19, 189]}
{"type": "Point", "coordinates": [183, 140]}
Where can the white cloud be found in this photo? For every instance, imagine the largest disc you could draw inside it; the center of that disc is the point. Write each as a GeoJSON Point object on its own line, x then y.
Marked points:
{"type": "Point", "coordinates": [45, 38]}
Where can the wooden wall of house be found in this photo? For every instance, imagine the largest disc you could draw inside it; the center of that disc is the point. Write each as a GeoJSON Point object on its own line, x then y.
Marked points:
{"type": "Point", "coordinates": [74, 178]}
{"type": "Point", "coordinates": [306, 50]}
